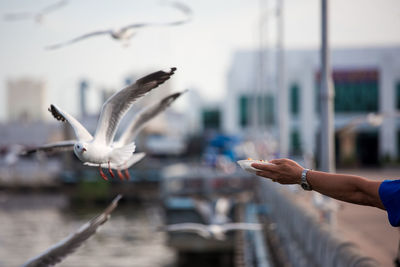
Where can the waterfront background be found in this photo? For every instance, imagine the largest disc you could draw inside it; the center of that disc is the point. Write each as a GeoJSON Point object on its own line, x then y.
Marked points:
{"type": "Point", "coordinates": [253, 72]}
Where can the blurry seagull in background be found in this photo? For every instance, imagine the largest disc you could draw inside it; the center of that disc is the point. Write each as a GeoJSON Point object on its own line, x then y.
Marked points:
{"type": "Point", "coordinates": [12, 156]}
{"type": "Point", "coordinates": [99, 149]}
{"type": "Point", "coordinates": [38, 16]}
{"type": "Point", "coordinates": [216, 231]}
{"type": "Point", "coordinates": [58, 252]}
{"type": "Point", "coordinates": [214, 215]}
{"type": "Point", "coordinates": [128, 136]}
{"type": "Point", "coordinates": [127, 32]}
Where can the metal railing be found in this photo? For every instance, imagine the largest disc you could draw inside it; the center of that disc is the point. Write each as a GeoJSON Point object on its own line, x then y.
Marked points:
{"type": "Point", "coordinates": [307, 242]}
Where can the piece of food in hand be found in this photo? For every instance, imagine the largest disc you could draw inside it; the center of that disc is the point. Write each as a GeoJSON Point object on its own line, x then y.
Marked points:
{"type": "Point", "coordinates": [246, 164]}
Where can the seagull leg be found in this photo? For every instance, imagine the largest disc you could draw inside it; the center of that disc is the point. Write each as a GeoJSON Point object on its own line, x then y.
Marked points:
{"type": "Point", "coordinates": [110, 171]}
{"type": "Point", "coordinates": [102, 173]}
{"type": "Point", "coordinates": [127, 175]}
{"type": "Point", "coordinates": [120, 175]}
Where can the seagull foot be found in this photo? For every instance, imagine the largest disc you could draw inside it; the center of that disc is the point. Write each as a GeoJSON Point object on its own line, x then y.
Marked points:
{"type": "Point", "coordinates": [120, 175]}
{"type": "Point", "coordinates": [110, 171]}
{"type": "Point", "coordinates": [127, 175]}
{"type": "Point", "coordinates": [102, 174]}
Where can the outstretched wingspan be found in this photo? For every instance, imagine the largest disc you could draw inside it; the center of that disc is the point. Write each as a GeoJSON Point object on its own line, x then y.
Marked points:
{"type": "Point", "coordinates": [77, 39]}
{"type": "Point", "coordinates": [51, 147]}
{"type": "Point", "coordinates": [144, 117]}
{"type": "Point", "coordinates": [197, 228]}
{"type": "Point", "coordinates": [118, 104]}
{"type": "Point", "coordinates": [241, 226]}
{"type": "Point", "coordinates": [67, 246]}
{"type": "Point", "coordinates": [80, 132]}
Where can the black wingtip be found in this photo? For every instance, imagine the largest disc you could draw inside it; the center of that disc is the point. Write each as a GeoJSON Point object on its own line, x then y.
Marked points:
{"type": "Point", "coordinates": [52, 109]}
{"type": "Point", "coordinates": [171, 98]}
{"type": "Point", "coordinates": [159, 77]}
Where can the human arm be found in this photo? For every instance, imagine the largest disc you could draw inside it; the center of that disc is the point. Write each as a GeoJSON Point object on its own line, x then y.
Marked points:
{"type": "Point", "coordinates": [349, 188]}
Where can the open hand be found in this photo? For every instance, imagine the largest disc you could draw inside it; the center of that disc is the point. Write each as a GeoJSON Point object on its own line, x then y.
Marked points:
{"type": "Point", "coordinates": [283, 171]}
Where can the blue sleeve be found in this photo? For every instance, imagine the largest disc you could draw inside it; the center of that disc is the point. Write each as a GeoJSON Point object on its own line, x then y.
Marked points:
{"type": "Point", "coordinates": [389, 192]}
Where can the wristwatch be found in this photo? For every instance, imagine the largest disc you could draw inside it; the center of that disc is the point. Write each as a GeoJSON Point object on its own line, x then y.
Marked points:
{"type": "Point", "coordinates": [303, 182]}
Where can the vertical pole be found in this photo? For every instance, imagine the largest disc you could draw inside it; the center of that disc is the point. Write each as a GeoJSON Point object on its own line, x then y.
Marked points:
{"type": "Point", "coordinates": [326, 98]}
{"type": "Point", "coordinates": [262, 71]}
{"type": "Point", "coordinates": [82, 94]}
{"type": "Point", "coordinates": [282, 90]}
{"type": "Point", "coordinates": [327, 159]}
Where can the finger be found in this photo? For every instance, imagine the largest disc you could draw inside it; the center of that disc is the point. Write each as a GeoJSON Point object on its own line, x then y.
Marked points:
{"type": "Point", "coordinates": [266, 175]}
{"type": "Point", "coordinates": [277, 161]}
{"type": "Point", "coordinates": [264, 167]}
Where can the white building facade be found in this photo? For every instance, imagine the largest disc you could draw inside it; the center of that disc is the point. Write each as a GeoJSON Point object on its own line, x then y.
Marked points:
{"type": "Point", "coordinates": [366, 80]}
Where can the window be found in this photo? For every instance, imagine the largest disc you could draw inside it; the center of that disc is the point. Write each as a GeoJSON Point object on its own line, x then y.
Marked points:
{"type": "Point", "coordinates": [211, 119]}
{"type": "Point", "coordinates": [265, 106]}
{"type": "Point", "coordinates": [294, 99]}
{"type": "Point", "coordinates": [295, 143]}
{"type": "Point", "coordinates": [244, 111]}
{"type": "Point", "coordinates": [355, 91]}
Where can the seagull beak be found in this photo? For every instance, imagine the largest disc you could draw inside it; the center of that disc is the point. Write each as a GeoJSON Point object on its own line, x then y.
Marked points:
{"type": "Point", "coordinates": [83, 149]}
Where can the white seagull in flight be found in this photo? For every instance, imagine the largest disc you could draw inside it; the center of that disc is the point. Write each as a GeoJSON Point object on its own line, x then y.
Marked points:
{"type": "Point", "coordinates": [130, 133]}
{"type": "Point", "coordinates": [125, 33]}
{"type": "Point", "coordinates": [38, 16]}
{"type": "Point", "coordinates": [99, 149]}
{"type": "Point", "coordinates": [59, 251]}
{"type": "Point", "coordinates": [214, 214]}
{"type": "Point", "coordinates": [128, 136]}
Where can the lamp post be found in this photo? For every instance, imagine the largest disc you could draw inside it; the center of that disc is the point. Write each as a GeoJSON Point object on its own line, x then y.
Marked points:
{"type": "Point", "coordinates": [327, 160]}
{"type": "Point", "coordinates": [282, 90]}
{"type": "Point", "coordinates": [327, 153]}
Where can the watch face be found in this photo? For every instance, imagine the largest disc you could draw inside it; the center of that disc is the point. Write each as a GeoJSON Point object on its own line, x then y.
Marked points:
{"type": "Point", "coordinates": [305, 186]}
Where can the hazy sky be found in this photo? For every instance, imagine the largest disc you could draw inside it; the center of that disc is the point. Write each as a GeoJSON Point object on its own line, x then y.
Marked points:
{"type": "Point", "coordinates": [201, 49]}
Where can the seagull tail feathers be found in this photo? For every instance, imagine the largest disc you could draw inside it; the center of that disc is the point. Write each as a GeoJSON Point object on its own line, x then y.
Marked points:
{"type": "Point", "coordinates": [122, 154]}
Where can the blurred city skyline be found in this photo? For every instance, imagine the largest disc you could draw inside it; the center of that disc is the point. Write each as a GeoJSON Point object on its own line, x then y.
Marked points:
{"type": "Point", "coordinates": [201, 49]}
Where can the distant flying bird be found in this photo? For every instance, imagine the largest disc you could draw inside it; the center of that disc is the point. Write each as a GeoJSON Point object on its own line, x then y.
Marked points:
{"type": "Point", "coordinates": [12, 156]}
{"type": "Point", "coordinates": [62, 249]}
{"type": "Point", "coordinates": [214, 214]}
{"type": "Point", "coordinates": [37, 16]}
{"type": "Point", "coordinates": [128, 136]}
{"type": "Point", "coordinates": [99, 149]}
{"type": "Point", "coordinates": [216, 231]}
{"type": "Point", "coordinates": [125, 33]}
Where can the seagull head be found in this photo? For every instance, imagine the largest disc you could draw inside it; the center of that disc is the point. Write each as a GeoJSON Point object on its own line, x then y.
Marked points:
{"type": "Point", "coordinates": [80, 148]}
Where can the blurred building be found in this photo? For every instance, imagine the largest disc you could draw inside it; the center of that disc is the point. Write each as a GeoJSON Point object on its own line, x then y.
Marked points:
{"type": "Point", "coordinates": [26, 99]}
{"type": "Point", "coordinates": [366, 80]}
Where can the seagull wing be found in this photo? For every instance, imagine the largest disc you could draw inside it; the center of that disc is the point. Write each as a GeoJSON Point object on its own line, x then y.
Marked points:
{"type": "Point", "coordinates": [222, 207]}
{"type": "Point", "coordinates": [67, 246]}
{"type": "Point", "coordinates": [241, 226]}
{"type": "Point", "coordinates": [197, 228]}
{"type": "Point", "coordinates": [77, 39]}
{"type": "Point", "coordinates": [185, 9]}
{"type": "Point", "coordinates": [178, 5]}
{"type": "Point", "coordinates": [53, 7]}
{"type": "Point", "coordinates": [118, 104]}
{"type": "Point", "coordinates": [52, 147]}
{"type": "Point", "coordinates": [144, 117]}
{"type": "Point", "coordinates": [204, 209]}
{"type": "Point", "coordinates": [18, 16]}
{"type": "Point", "coordinates": [81, 133]}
